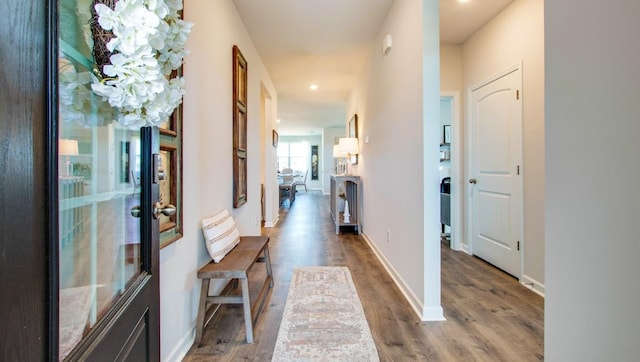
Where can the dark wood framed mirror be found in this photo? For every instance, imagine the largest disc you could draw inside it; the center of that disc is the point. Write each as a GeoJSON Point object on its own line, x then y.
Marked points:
{"type": "Point", "coordinates": [239, 128]}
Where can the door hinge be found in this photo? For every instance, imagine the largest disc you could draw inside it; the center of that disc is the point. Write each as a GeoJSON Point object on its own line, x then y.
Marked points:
{"type": "Point", "coordinates": [518, 245]}
{"type": "Point", "coordinates": [517, 94]}
{"type": "Point", "coordinates": [518, 170]}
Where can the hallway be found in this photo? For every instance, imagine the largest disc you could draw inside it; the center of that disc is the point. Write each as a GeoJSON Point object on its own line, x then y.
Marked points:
{"type": "Point", "coordinates": [490, 316]}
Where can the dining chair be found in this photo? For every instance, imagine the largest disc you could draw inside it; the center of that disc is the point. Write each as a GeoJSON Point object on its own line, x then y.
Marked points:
{"type": "Point", "coordinates": [135, 181]}
{"type": "Point", "coordinates": [287, 175]}
{"type": "Point", "coordinates": [303, 183]}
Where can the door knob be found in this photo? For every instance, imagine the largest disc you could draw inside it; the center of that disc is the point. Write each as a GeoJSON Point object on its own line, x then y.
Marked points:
{"type": "Point", "coordinates": [158, 209]}
{"type": "Point", "coordinates": [167, 210]}
{"type": "Point", "coordinates": [473, 181]}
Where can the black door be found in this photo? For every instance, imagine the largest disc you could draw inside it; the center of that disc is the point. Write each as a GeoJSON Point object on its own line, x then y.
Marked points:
{"type": "Point", "coordinates": [79, 273]}
{"type": "Point", "coordinates": [109, 254]}
{"type": "Point", "coordinates": [108, 232]}
{"type": "Point", "coordinates": [24, 206]}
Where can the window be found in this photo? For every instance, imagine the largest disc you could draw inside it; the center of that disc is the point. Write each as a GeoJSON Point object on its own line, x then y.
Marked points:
{"type": "Point", "coordinates": [293, 155]}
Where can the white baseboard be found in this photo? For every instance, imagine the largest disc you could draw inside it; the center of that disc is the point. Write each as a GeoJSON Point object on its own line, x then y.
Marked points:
{"type": "Point", "coordinates": [269, 224]}
{"type": "Point", "coordinates": [533, 284]}
{"type": "Point", "coordinates": [423, 312]}
{"type": "Point", "coordinates": [528, 282]}
{"type": "Point", "coordinates": [180, 350]}
{"type": "Point", "coordinates": [465, 248]}
{"type": "Point", "coordinates": [433, 314]}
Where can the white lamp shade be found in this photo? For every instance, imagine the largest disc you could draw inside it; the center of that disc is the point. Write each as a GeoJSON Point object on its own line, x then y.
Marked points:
{"type": "Point", "coordinates": [67, 147]}
{"type": "Point", "coordinates": [349, 146]}
{"type": "Point", "coordinates": [337, 152]}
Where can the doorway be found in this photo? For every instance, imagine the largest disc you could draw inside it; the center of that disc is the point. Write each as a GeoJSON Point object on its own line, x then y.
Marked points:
{"type": "Point", "coordinates": [451, 166]}
{"type": "Point", "coordinates": [268, 163]}
{"type": "Point", "coordinates": [495, 171]}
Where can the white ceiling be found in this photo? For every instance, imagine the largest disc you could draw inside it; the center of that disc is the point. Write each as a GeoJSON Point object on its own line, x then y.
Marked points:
{"type": "Point", "coordinates": [460, 20]}
{"type": "Point", "coordinates": [326, 42]}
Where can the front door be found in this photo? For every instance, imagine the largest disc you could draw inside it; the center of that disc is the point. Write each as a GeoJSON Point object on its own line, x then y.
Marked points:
{"type": "Point", "coordinates": [108, 231]}
{"type": "Point", "coordinates": [108, 248]}
{"type": "Point", "coordinates": [495, 172]}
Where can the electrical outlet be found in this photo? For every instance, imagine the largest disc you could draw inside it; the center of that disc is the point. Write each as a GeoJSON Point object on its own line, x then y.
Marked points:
{"type": "Point", "coordinates": [388, 236]}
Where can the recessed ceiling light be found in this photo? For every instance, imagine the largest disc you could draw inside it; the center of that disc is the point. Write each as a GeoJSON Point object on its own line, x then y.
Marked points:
{"type": "Point", "coordinates": [313, 87]}
{"type": "Point", "coordinates": [463, 1]}
{"type": "Point", "coordinates": [277, 121]}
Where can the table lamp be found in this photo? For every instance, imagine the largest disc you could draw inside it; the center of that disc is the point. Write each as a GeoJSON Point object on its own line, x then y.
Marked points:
{"type": "Point", "coordinates": [337, 153]}
{"type": "Point", "coordinates": [349, 146]}
{"type": "Point", "coordinates": [67, 148]}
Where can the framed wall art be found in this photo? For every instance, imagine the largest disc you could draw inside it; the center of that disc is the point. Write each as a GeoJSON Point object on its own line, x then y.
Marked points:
{"type": "Point", "coordinates": [352, 132]}
{"type": "Point", "coordinates": [446, 137]}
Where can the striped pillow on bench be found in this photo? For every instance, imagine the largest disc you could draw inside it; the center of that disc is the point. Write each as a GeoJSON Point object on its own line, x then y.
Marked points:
{"type": "Point", "coordinates": [221, 234]}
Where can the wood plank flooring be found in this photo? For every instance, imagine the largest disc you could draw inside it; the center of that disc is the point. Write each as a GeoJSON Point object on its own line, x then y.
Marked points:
{"type": "Point", "coordinates": [490, 316]}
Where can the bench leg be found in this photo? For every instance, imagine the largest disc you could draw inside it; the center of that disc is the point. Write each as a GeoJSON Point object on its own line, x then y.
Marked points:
{"type": "Point", "coordinates": [202, 310]}
{"type": "Point", "coordinates": [246, 303]}
{"type": "Point", "coordinates": [267, 263]}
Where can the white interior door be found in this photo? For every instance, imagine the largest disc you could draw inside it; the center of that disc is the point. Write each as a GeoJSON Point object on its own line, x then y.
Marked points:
{"type": "Point", "coordinates": [495, 172]}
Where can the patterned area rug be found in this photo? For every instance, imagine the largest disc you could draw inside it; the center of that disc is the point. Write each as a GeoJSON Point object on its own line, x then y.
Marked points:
{"type": "Point", "coordinates": [323, 319]}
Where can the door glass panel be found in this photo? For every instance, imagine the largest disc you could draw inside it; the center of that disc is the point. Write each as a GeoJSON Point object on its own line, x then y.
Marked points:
{"type": "Point", "coordinates": [99, 177]}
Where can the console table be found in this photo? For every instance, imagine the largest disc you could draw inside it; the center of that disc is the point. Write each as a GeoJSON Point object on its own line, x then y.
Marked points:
{"type": "Point", "coordinates": [346, 188]}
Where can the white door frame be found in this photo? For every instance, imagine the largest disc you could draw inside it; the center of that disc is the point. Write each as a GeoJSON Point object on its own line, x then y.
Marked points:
{"type": "Point", "coordinates": [268, 168]}
{"type": "Point", "coordinates": [468, 191]}
{"type": "Point", "coordinates": [456, 170]}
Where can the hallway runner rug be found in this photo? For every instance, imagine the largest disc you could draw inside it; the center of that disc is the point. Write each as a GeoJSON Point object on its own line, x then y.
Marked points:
{"type": "Point", "coordinates": [323, 319]}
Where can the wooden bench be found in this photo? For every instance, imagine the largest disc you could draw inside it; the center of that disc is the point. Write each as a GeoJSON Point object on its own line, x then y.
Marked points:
{"type": "Point", "coordinates": [235, 266]}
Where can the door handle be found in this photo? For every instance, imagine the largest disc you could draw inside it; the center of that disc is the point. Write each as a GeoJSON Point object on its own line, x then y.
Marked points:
{"type": "Point", "coordinates": [473, 181]}
{"type": "Point", "coordinates": [135, 211]}
{"type": "Point", "coordinates": [167, 210]}
{"type": "Point", "coordinates": [158, 209]}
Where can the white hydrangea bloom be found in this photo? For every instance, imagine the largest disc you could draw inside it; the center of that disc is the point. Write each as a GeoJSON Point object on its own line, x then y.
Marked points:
{"type": "Point", "coordinates": [77, 103]}
{"type": "Point", "coordinates": [107, 18]}
{"type": "Point", "coordinates": [159, 7]}
{"type": "Point", "coordinates": [174, 6]}
{"type": "Point", "coordinates": [148, 45]}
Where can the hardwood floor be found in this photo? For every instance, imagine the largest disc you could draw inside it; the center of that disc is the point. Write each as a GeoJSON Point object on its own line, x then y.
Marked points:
{"type": "Point", "coordinates": [490, 316]}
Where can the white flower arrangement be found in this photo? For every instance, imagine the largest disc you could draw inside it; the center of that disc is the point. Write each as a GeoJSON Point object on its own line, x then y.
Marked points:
{"type": "Point", "coordinates": [148, 44]}
{"type": "Point", "coordinates": [78, 104]}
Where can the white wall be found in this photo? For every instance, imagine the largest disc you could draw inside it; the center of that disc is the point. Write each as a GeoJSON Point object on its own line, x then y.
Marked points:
{"type": "Point", "coordinates": [329, 139]}
{"type": "Point", "coordinates": [388, 98]}
{"type": "Point", "coordinates": [431, 133]}
{"type": "Point", "coordinates": [517, 34]}
{"type": "Point", "coordinates": [207, 163]}
{"type": "Point", "coordinates": [451, 67]}
{"type": "Point", "coordinates": [592, 172]}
